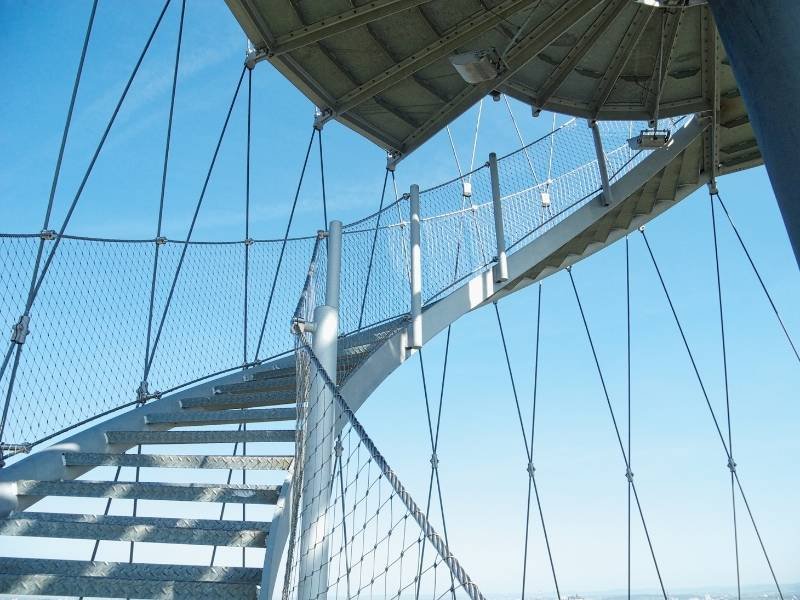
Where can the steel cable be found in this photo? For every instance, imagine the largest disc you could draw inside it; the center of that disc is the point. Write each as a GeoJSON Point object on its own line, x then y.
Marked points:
{"type": "Point", "coordinates": [628, 472]}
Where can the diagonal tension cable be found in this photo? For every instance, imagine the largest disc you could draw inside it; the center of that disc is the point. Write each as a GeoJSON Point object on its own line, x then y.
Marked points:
{"type": "Point", "coordinates": [758, 276]}
{"type": "Point", "coordinates": [731, 463]}
{"type": "Point", "coordinates": [727, 392]}
{"type": "Point", "coordinates": [35, 287]}
{"type": "Point", "coordinates": [192, 226]}
{"type": "Point", "coordinates": [164, 170]}
{"type": "Point", "coordinates": [372, 251]}
{"type": "Point", "coordinates": [528, 451]}
{"type": "Point", "coordinates": [533, 430]}
{"type": "Point", "coordinates": [628, 472]}
{"type": "Point", "coordinates": [283, 245]}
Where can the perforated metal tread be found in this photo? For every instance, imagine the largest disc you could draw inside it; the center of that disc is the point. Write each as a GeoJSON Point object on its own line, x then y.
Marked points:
{"type": "Point", "coordinates": [138, 529]}
{"type": "Point", "coordinates": [258, 386]}
{"type": "Point", "coordinates": [199, 437]}
{"type": "Point", "coordinates": [217, 417]}
{"type": "Point", "coordinates": [178, 461]}
{"type": "Point", "coordinates": [188, 492]}
{"type": "Point", "coordinates": [25, 576]}
{"type": "Point", "coordinates": [222, 401]}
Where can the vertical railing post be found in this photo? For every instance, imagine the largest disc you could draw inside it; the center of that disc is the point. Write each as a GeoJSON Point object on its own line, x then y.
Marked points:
{"type": "Point", "coordinates": [601, 162]}
{"type": "Point", "coordinates": [319, 446]}
{"type": "Point", "coordinates": [501, 269]}
{"type": "Point", "coordinates": [415, 341]}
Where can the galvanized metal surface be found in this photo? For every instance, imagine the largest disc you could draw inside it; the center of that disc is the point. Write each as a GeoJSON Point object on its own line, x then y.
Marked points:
{"type": "Point", "coordinates": [188, 492]}
{"type": "Point", "coordinates": [179, 461]}
{"type": "Point", "coordinates": [199, 437]}
{"type": "Point", "coordinates": [222, 401]}
{"type": "Point", "coordinates": [140, 529]}
{"type": "Point", "coordinates": [24, 576]}
{"type": "Point", "coordinates": [185, 418]}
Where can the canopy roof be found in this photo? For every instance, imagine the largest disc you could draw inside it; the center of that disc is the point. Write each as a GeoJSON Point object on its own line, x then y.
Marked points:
{"type": "Point", "coordinates": [382, 66]}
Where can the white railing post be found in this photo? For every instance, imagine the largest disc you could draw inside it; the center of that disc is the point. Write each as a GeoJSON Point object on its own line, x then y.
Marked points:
{"type": "Point", "coordinates": [501, 269]}
{"type": "Point", "coordinates": [415, 341]}
{"type": "Point", "coordinates": [319, 441]}
{"type": "Point", "coordinates": [601, 162]}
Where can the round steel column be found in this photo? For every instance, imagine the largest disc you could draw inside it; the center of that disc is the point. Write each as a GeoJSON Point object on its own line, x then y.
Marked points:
{"type": "Point", "coordinates": [763, 45]}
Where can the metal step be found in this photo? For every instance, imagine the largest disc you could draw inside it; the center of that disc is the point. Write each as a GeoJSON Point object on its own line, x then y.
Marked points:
{"type": "Point", "coordinates": [137, 529]}
{"type": "Point", "coordinates": [186, 492]}
{"type": "Point", "coordinates": [222, 401]}
{"type": "Point", "coordinates": [26, 576]}
{"type": "Point", "coordinates": [257, 386]}
{"type": "Point", "coordinates": [199, 437]}
{"type": "Point", "coordinates": [246, 415]}
{"type": "Point", "coordinates": [178, 461]}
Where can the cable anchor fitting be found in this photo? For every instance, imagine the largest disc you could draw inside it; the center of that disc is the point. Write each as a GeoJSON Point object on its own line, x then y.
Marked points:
{"type": "Point", "coordinates": [143, 393]}
{"type": "Point", "coordinates": [253, 56]}
{"type": "Point", "coordinates": [731, 465]}
{"type": "Point", "coordinates": [48, 234]}
{"type": "Point", "coordinates": [20, 330]}
{"type": "Point", "coordinates": [322, 116]}
{"type": "Point", "coordinates": [302, 326]}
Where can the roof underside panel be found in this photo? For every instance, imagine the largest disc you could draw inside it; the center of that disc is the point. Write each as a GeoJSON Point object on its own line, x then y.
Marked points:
{"type": "Point", "coordinates": [382, 67]}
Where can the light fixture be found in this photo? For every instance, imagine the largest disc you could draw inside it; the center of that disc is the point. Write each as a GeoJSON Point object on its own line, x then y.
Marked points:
{"type": "Point", "coordinates": [476, 66]}
{"type": "Point", "coordinates": [649, 139]}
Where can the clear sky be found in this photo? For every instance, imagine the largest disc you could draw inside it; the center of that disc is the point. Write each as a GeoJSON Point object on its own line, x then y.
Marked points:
{"type": "Point", "coordinates": [677, 460]}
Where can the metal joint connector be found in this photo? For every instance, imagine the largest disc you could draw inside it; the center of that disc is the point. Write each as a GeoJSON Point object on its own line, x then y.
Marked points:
{"type": "Point", "coordinates": [712, 187]}
{"type": "Point", "coordinates": [731, 465]}
{"type": "Point", "coordinates": [322, 116]}
{"type": "Point", "coordinates": [301, 326]}
{"type": "Point", "coordinates": [161, 240]}
{"type": "Point", "coordinates": [434, 461]}
{"type": "Point", "coordinates": [20, 330]}
{"type": "Point", "coordinates": [48, 234]}
{"type": "Point", "coordinates": [338, 448]}
{"type": "Point", "coordinates": [249, 242]}
{"type": "Point", "coordinates": [143, 393]}
{"type": "Point", "coordinates": [530, 469]}
{"type": "Point", "coordinates": [629, 475]}
{"type": "Point", "coordinates": [321, 234]}
{"type": "Point", "coordinates": [12, 449]}
{"type": "Point", "coordinates": [392, 158]}
{"type": "Point", "coordinates": [253, 56]}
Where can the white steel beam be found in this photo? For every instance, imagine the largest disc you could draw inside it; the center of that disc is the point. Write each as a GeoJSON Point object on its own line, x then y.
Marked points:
{"type": "Point", "coordinates": [545, 33]}
{"type": "Point", "coordinates": [626, 47]}
{"type": "Point", "coordinates": [575, 54]}
{"type": "Point", "coordinates": [602, 167]}
{"type": "Point", "coordinates": [338, 23]}
{"type": "Point", "coordinates": [478, 23]}
{"type": "Point", "coordinates": [501, 268]}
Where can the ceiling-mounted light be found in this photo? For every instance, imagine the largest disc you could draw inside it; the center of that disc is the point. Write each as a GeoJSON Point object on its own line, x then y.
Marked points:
{"type": "Point", "coordinates": [476, 66]}
{"type": "Point", "coordinates": [649, 139]}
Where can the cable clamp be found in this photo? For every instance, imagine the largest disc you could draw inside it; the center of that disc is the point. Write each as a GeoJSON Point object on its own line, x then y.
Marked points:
{"type": "Point", "coordinates": [712, 187]}
{"type": "Point", "coordinates": [160, 240]}
{"type": "Point", "coordinates": [629, 475]}
{"type": "Point", "coordinates": [143, 393]}
{"type": "Point", "coordinates": [641, 228]}
{"type": "Point", "coordinates": [322, 116]}
{"type": "Point", "coordinates": [48, 234]}
{"type": "Point", "coordinates": [321, 234]}
{"type": "Point", "coordinates": [731, 465]}
{"type": "Point", "coordinates": [253, 56]}
{"type": "Point", "coordinates": [531, 469]}
{"type": "Point", "coordinates": [434, 461]}
{"type": "Point", "coordinates": [302, 326]}
{"type": "Point", "coordinates": [20, 330]}
{"type": "Point", "coordinates": [338, 448]}
{"type": "Point", "coordinates": [249, 242]}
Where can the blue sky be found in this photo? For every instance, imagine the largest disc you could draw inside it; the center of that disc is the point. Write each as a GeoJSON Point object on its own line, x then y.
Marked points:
{"type": "Point", "coordinates": [678, 462]}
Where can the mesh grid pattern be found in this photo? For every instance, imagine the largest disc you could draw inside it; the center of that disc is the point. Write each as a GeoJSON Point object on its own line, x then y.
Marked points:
{"type": "Point", "coordinates": [86, 350]}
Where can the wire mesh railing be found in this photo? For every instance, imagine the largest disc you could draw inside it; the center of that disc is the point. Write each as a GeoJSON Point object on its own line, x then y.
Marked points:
{"type": "Point", "coordinates": [355, 531]}
{"type": "Point", "coordinates": [86, 349]}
